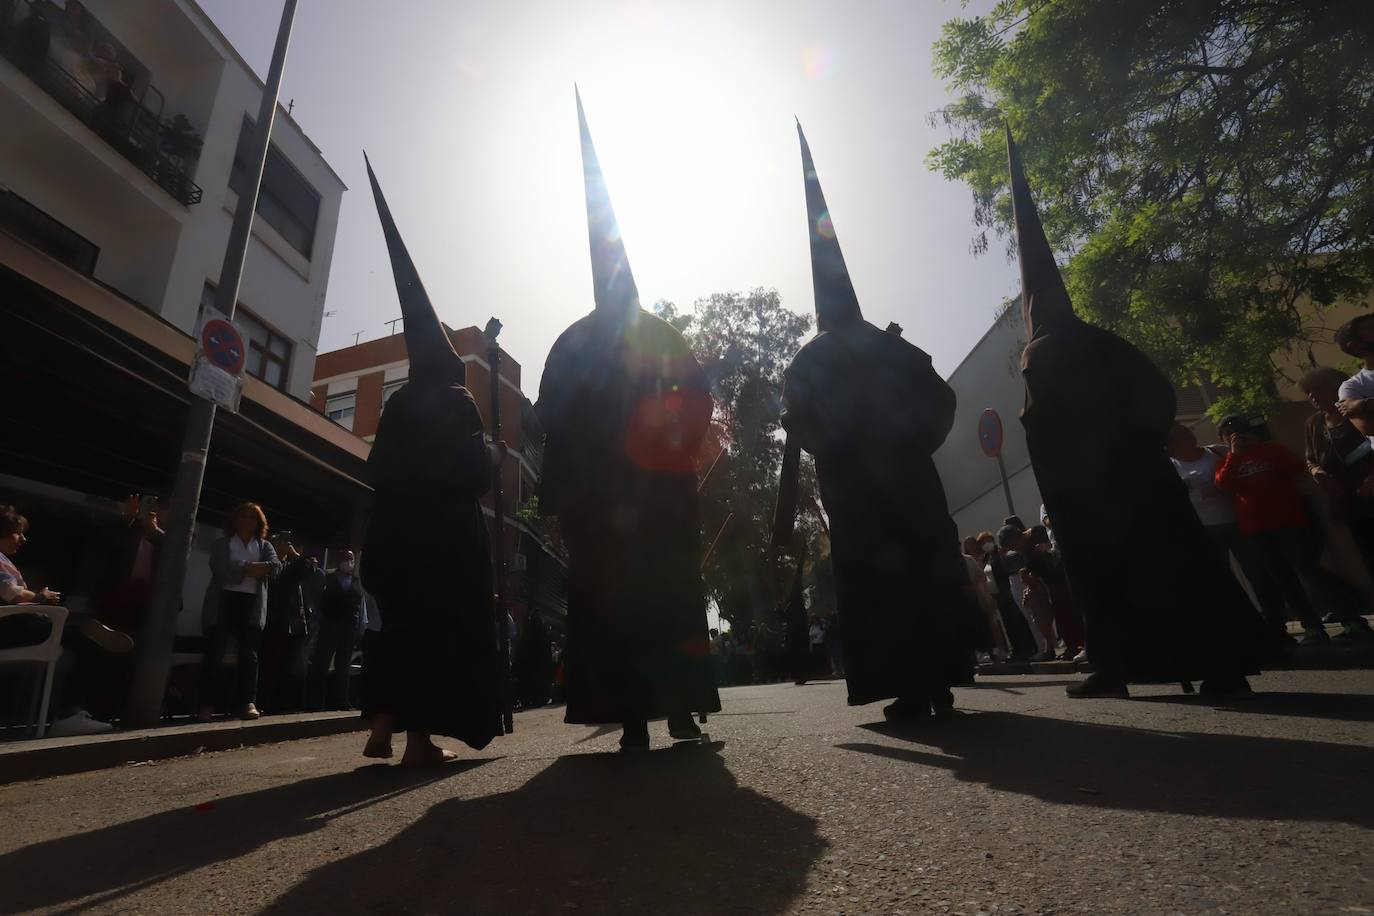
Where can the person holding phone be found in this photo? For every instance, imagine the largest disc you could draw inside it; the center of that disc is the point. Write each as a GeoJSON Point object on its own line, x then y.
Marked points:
{"type": "Point", "coordinates": [242, 562]}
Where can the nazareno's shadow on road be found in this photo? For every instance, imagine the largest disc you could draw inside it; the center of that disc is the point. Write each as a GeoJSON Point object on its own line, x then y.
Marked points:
{"type": "Point", "coordinates": [1341, 706]}
{"type": "Point", "coordinates": [1214, 775]}
{"type": "Point", "coordinates": [116, 860]}
{"type": "Point", "coordinates": [665, 832]}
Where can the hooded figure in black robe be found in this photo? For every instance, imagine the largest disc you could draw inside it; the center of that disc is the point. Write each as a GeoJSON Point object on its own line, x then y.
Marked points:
{"type": "Point", "coordinates": [625, 406]}
{"type": "Point", "coordinates": [1097, 417]}
{"type": "Point", "coordinates": [426, 554]}
{"type": "Point", "coordinates": [871, 410]}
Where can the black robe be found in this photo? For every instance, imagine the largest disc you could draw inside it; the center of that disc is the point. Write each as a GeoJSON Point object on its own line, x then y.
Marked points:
{"type": "Point", "coordinates": [872, 410]}
{"type": "Point", "coordinates": [427, 562]}
{"type": "Point", "coordinates": [1156, 604]}
{"type": "Point", "coordinates": [624, 406]}
{"type": "Point", "coordinates": [796, 628]}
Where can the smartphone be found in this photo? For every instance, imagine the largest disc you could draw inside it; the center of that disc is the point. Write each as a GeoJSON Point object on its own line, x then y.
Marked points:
{"type": "Point", "coordinates": [147, 505]}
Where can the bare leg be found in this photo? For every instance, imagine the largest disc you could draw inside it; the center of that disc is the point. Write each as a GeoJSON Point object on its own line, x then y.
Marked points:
{"type": "Point", "coordinates": [379, 742]}
{"type": "Point", "coordinates": [421, 751]}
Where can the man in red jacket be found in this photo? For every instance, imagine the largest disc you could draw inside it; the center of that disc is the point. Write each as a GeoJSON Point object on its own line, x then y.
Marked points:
{"type": "Point", "coordinates": [1263, 477]}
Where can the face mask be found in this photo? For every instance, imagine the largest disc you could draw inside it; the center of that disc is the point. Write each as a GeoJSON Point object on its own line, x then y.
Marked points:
{"type": "Point", "coordinates": [346, 567]}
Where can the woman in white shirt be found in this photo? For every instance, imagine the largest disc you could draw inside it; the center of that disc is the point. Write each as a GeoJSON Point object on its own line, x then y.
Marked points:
{"type": "Point", "coordinates": [242, 562]}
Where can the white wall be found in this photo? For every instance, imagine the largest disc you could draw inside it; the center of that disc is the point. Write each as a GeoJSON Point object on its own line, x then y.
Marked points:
{"type": "Point", "coordinates": [153, 249]}
{"type": "Point", "coordinates": [990, 376]}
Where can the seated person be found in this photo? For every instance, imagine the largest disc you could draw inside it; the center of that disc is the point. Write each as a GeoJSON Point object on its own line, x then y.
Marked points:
{"type": "Point", "coordinates": [81, 635]}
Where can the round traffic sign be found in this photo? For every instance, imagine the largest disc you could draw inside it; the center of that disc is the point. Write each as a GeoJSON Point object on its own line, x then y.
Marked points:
{"type": "Point", "coordinates": [223, 346]}
{"type": "Point", "coordinates": [990, 433]}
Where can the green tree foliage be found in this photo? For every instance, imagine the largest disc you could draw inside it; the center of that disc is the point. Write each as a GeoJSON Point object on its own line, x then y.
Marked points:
{"type": "Point", "coordinates": [1204, 164]}
{"type": "Point", "coordinates": [745, 341]}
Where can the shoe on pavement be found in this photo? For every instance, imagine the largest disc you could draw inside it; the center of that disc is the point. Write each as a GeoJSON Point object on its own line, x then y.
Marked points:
{"type": "Point", "coordinates": [1046, 656]}
{"type": "Point", "coordinates": [250, 712]}
{"type": "Point", "coordinates": [905, 710]}
{"type": "Point", "coordinates": [78, 723]}
{"type": "Point", "coordinates": [111, 641]}
{"type": "Point", "coordinates": [1225, 686]}
{"type": "Point", "coordinates": [1096, 686]}
{"type": "Point", "coordinates": [1314, 636]}
{"type": "Point", "coordinates": [682, 728]}
{"type": "Point", "coordinates": [1331, 617]}
{"type": "Point", "coordinates": [1082, 656]}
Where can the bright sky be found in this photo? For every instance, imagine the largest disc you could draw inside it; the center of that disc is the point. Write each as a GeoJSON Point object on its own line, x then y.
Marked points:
{"type": "Point", "coordinates": [467, 112]}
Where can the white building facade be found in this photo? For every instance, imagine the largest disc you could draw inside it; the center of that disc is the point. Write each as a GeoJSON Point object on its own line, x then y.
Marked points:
{"type": "Point", "coordinates": [94, 171]}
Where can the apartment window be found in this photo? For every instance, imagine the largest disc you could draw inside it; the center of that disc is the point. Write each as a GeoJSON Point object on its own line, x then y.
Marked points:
{"type": "Point", "coordinates": [269, 353]}
{"type": "Point", "coordinates": [45, 233]}
{"type": "Point", "coordinates": [340, 408]}
{"type": "Point", "coordinates": [286, 201]}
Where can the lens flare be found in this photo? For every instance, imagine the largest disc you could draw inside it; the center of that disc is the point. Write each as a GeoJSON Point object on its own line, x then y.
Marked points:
{"type": "Point", "coordinates": [818, 61]}
{"type": "Point", "coordinates": [824, 228]}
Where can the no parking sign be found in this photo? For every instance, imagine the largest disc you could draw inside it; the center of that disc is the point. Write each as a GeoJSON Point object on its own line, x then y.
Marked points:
{"type": "Point", "coordinates": [217, 369]}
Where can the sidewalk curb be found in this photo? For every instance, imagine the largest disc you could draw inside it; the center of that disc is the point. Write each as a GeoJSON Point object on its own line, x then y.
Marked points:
{"type": "Point", "coordinates": [27, 760]}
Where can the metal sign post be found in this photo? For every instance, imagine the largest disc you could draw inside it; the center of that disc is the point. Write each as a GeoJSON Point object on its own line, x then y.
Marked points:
{"type": "Point", "coordinates": [990, 440]}
{"type": "Point", "coordinates": [154, 655]}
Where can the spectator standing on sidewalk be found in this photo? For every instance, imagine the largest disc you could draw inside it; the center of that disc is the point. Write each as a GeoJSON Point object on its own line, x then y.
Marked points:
{"type": "Point", "coordinates": [1263, 475]}
{"type": "Point", "coordinates": [1341, 460]}
{"type": "Point", "coordinates": [1020, 641]}
{"type": "Point", "coordinates": [242, 563]}
{"type": "Point", "coordinates": [341, 619]}
{"type": "Point", "coordinates": [994, 639]}
{"type": "Point", "coordinates": [282, 682]}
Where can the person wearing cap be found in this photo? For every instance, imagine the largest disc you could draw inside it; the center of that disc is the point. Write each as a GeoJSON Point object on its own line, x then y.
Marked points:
{"type": "Point", "coordinates": [1263, 478]}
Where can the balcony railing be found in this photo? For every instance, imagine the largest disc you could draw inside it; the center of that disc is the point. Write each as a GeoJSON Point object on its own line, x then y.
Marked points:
{"type": "Point", "coordinates": [127, 125]}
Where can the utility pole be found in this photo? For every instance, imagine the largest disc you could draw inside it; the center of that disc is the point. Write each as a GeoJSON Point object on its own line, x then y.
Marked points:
{"type": "Point", "coordinates": [154, 655]}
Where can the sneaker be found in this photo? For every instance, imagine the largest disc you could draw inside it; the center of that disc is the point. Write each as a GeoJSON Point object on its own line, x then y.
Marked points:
{"type": "Point", "coordinates": [1314, 636]}
{"type": "Point", "coordinates": [1046, 656]}
{"type": "Point", "coordinates": [1082, 656]}
{"type": "Point", "coordinates": [111, 641]}
{"type": "Point", "coordinates": [78, 723]}
{"type": "Point", "coordinates": [1331, 617]}
{"type": "Point", "coordinates": [250, 712]}
{"type": "Point", "coordinates": [1097, 686]}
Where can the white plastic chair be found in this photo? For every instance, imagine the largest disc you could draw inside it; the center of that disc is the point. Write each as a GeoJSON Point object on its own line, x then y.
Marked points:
{"type": "Point", "coordinates": [45, 653]}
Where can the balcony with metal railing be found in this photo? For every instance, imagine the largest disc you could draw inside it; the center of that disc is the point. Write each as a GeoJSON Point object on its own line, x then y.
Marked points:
{"type": "Point", "coordinates": [38, 39]}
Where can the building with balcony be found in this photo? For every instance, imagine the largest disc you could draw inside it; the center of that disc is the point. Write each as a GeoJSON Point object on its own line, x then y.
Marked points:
{"type": "Point", "coordinates": [351, 388]}
{"type": "Point", "coordinates": [121, 162]}
{"type": "Point", "coordinates": [123, 157]}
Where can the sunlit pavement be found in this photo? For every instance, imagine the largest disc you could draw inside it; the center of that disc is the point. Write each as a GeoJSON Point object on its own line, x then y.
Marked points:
{"type": "Point", "coordinates": [1028, 803]}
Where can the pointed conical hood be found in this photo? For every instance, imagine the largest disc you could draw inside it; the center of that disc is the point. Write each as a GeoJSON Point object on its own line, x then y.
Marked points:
{"type": "Point", "coordinates": [612, 282]}
{"type": "Point", "coordinates": [431, 354]}
{"type": "Point", "coordinates": [836, 303]}
{"type": "Point", "coordinates": [1044, 299]}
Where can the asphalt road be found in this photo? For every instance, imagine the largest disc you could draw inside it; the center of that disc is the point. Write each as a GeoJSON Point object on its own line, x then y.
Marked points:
{"type": "Point", "coordinates": [1027, 803]}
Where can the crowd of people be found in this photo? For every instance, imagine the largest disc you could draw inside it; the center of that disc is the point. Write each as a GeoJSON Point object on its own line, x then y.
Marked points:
{"type": "Point", "coordinates": [294, 625]}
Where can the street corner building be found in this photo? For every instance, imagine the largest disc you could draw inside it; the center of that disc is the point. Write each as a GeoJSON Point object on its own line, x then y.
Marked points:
{"type": "Point", "coordinates": [116, 200]}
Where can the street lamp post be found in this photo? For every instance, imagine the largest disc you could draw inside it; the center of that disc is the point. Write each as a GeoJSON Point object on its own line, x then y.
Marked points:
{"type": "Point", "coordinates": [154, 655]}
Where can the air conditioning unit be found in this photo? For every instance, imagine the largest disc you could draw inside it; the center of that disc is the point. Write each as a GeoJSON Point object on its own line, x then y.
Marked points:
{"type": "Point", "coordinates": [518, 563]}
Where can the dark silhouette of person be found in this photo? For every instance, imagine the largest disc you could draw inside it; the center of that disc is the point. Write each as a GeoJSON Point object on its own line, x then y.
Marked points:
{"type": "Point", "coordinates": [426, 553]}
{"type": "Point", "coordinates": [1097, 416]}
{"type": "Point", "coordinates": [871, 410]}
{"type": "Point", "coordinates": [625, 407]}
